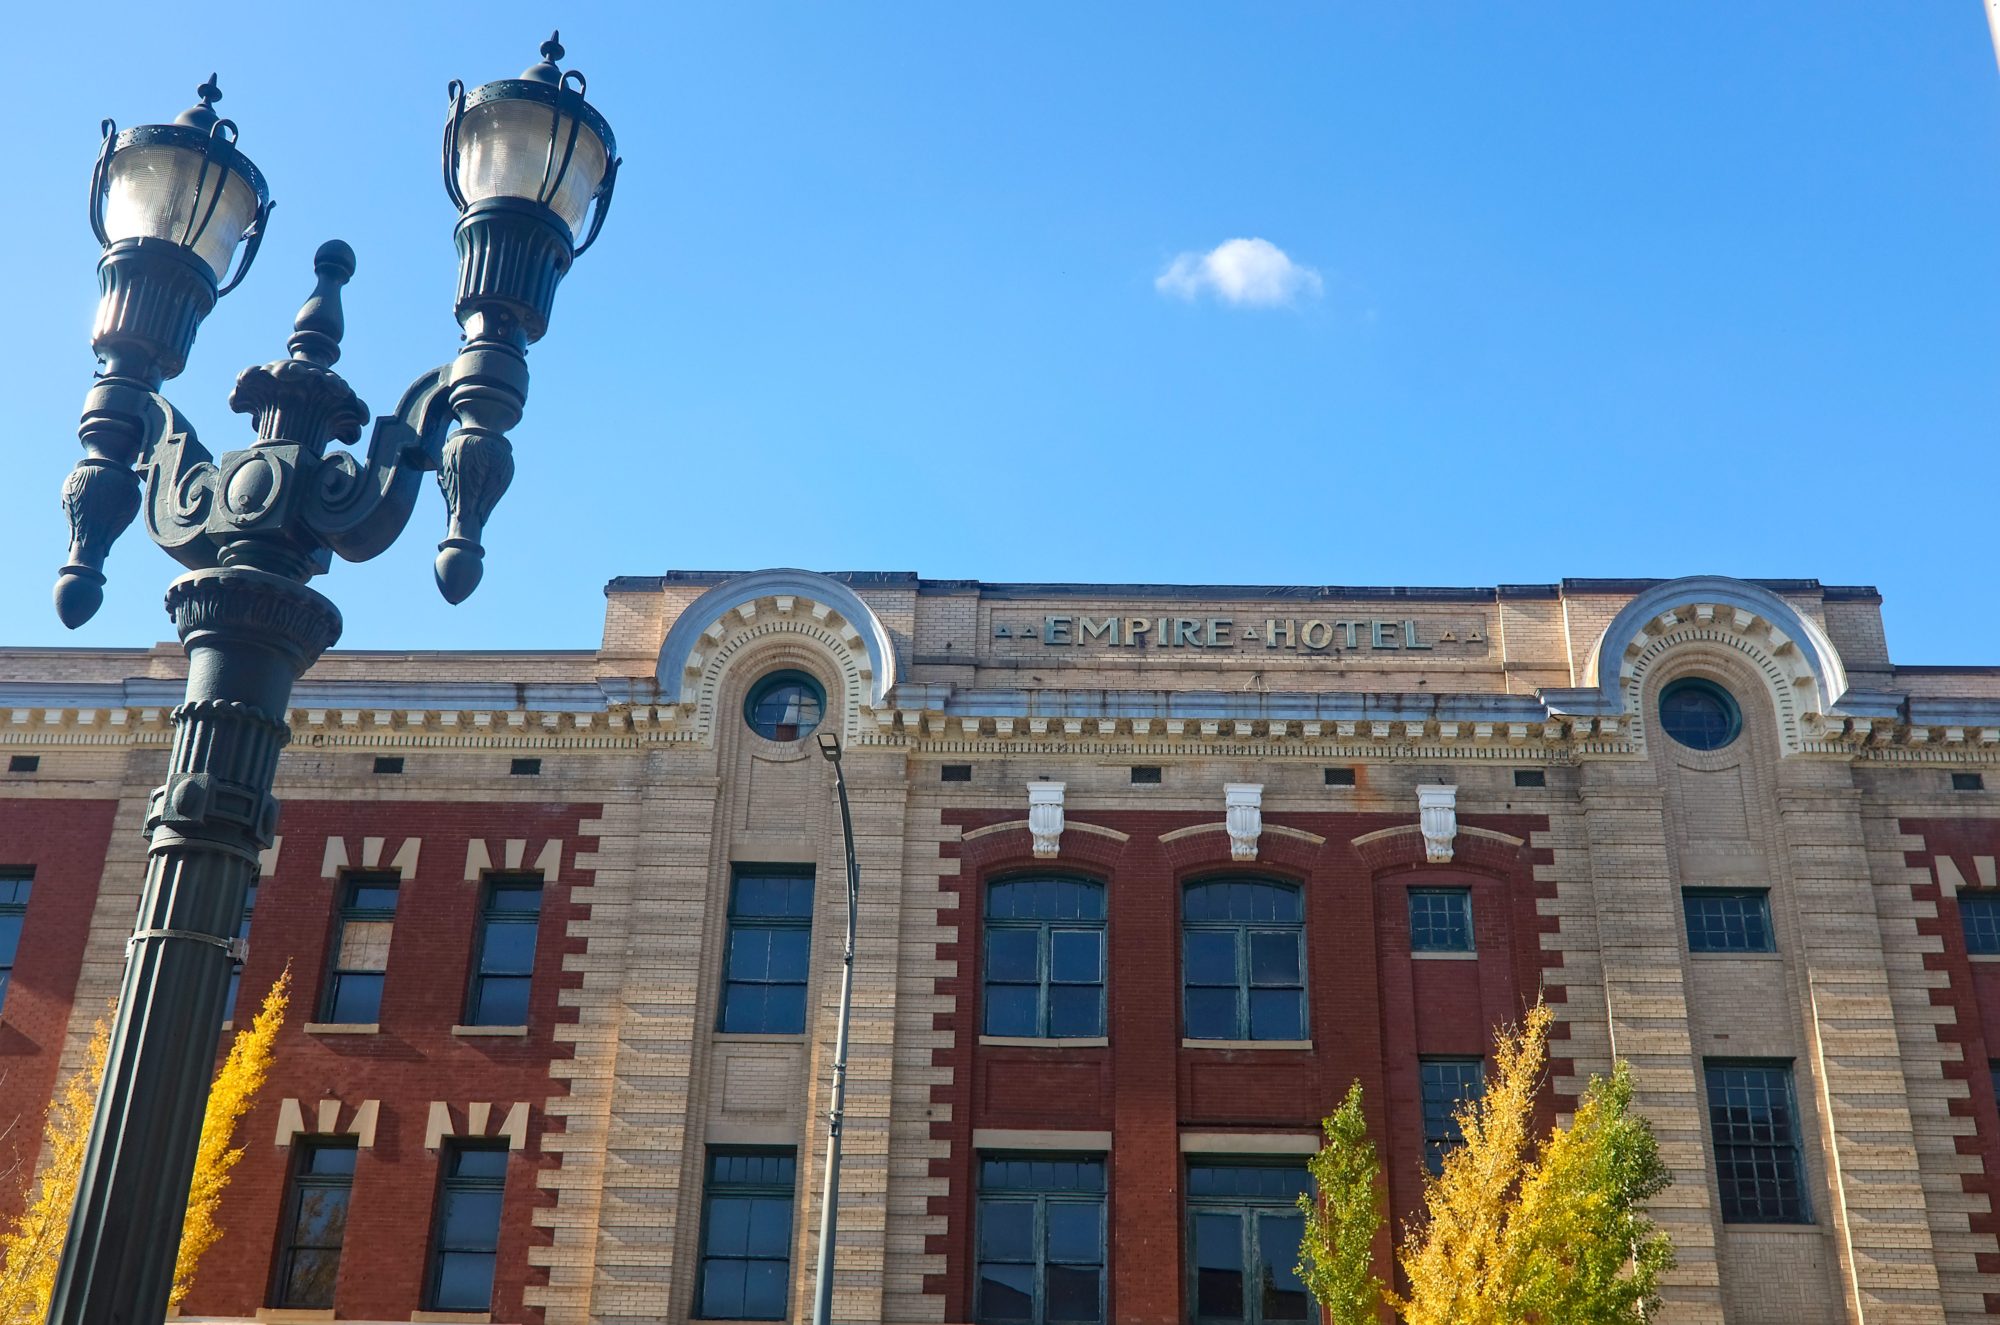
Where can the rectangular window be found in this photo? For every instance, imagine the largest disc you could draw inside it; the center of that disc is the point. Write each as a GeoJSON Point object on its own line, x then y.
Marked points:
{"type": "Point", "coordinates": [504, 966]}
{"type": "Point", "coordinates": [1447, 1083]}
{"type": "Point", "coordinates": [1243, 960]}
{"type": "Point", "coordinates": [746, 1235]}
{"type": "Point", "coordinates": [1759, 1164]}
{"type": "Point", "coordinates": [1146, 775]}
{"type": "Point", "coordinates": [1979, 913]}
{"type": "Point", "coordinates": [1045, 958]}
{"type": "Point", "coordinates": [467, 1241]}
{"type": "Point", "coordinates": [1041, 1239]}
{"type": "Point", "coordinates": [14, 890]}
{"type": "Point", "coordinates": [236, 968]}
{"type": "Point", "coordinates": [315, 1224]}
{"type": "Point", "coordinates": [955, 773]}
{"type": "Point", "coordinates": [770, 942]}
{"type": "Point", "coordinates": [361, 936]}
{"type": "Point", "coordinates": [1728, 919]}
{"type": "Point", "coordinates": [1440, 920]}
{"type": "Point", "coordinates": [1968, 782]}
{"type": "Point", "coordinates": [1531, 777]}
{"type": "Point", "coordinates": [24, 763]}
{"type": "Point", "coordinates": [388, 763]}
{"type": "Point", "coordinates": [525, 768]}
{"type": "Point", "coordinates": [1339, 777]}
{"type": "Point", "coordinates": [1243, 1229]}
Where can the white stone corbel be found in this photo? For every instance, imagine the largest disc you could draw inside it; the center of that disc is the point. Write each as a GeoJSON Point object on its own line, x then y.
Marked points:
{"type": "Point", "coordinates": [1243, 815]}
{"type": "Point", "coordinates": [1045, 817]}
{"type": "Point", "coordinates": [1437, 814]}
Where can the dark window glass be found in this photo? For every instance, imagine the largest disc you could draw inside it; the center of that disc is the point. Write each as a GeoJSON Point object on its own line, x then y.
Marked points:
{"type": "Point", "coordinates": [361, 937]}
{"type": "Point", "coordinates": [1045, 957]}
{"type": "Point", "coordinates": [467, 1241]}
{"type": "Point", "coordinates": [1243, 1228]}
{"type": "Point", "coordinates": [236, 968]}
{"type": "Point", "coordinates": [784, 706]}
{"type": "Point", "coordinates": [1753, 1120]}
{"type": "Point", "coordinates": [1041, 1239]}
{"type": "Point", "coordinates": [1243, 974]}
{"type": "Point", "coordinates": [1447, 1083]}
{"type": "Point", "coordinates": [1531, 777]}
{"type": "Point", "coordinates": [23, 763]}
{"type": "Point", "coordinates": [1146, 775]}
{"type": "Point", "coordinates": [746, 1235]}
{"type": "Point", "coordinates": [1339, 777]}
{"type": "Point", "coordinates": [1728, 919]}
{"type": "Point", "coordinates": [1968, 782]}
{"type": "Point", "coordinates": [14, 890]}
{"type": "Point", "coordinates": [1699, 713]}
{"type": "Point", "coordinates": [1980, 915]}
{"type": "Point", "coordinates": [770, 941]}
{"type": "Point", "coordinates": [526, 768]}
{"type": "Point", "coordinates": [505, 964]}
{"type": "Point", "coordinates": [388, 763]}
{"type": "Point", "coordinates": [955, 773]}
{"type": "Point", "coordinates": [315, 1224]}
{"type": "Point", "coordinates": [1441, 920]}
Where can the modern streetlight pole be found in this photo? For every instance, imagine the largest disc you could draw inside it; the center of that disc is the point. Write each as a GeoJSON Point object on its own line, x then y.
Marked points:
{"type": "Point", "coordinates": [524, 159]}
{"type": "Point", "coordinates": [829, 1220]}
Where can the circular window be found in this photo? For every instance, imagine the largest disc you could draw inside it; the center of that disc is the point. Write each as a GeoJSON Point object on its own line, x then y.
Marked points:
{"type": "Point", "coordinates": [1699, 714]}
{"type": "Point", "coordinates": [784, 706]}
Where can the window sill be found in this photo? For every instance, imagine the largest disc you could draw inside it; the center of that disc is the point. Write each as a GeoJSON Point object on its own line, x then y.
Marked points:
{"type": "Point", "coordinates": [1444, 956]}
{"type": "Point", "coordinates": [475, 1031]}
{"type": "Point", "coordinates": [1290, 1046]}
{"type": "Point", "coordinates": [1045, 1041]}
{"type": "Point", "coordinates": [292, 1315]}
{"type": "Point", "coordinates": [342, 1028]}
{"type": "Point", "coordinates": [1786, 1230]}
{"type": "Point", "coordinates": [453, 1317]}
{"type": "Point", "coordinates": [758, 1037]}
{"type": "Point", "coordinates": [1736, 956]}
{"type": "Point", "coordinates": [1983, 956]}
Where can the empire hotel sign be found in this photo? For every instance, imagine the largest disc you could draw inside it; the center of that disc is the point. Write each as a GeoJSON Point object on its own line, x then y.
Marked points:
{"type": "Point", "coordinates": [1314, 635]}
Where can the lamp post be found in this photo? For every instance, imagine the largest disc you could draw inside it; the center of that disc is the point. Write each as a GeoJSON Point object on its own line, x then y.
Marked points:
{"type": "Point", "coordinates": [172, 204]}
{"type": "Point", "coordinates": [829, 1219]}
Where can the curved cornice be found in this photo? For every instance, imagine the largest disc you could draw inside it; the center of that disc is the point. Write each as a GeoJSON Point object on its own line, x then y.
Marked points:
{"type": "Point", "coordinates": [708, 609]}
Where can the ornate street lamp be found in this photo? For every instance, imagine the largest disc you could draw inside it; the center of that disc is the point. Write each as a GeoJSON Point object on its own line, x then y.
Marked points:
{"type": "Point", "coordinates": [172, 204]}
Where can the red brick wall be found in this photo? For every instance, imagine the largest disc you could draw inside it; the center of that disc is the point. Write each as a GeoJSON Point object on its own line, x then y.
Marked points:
{"type": "Point", "coordinates": [1973, 994]}
{"type": "Point", "coordinates": [1372, 1010]}
{"type": "Point", "coordinates": [415, 1058]}
{"type": "Point", "coordinates": [64, 843]}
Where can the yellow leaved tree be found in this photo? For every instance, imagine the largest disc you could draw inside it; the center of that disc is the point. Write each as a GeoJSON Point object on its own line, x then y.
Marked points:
{"type": "Point", "coordinates": [31, 1248]}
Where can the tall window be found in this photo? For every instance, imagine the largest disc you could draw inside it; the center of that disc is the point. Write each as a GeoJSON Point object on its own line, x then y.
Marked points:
{"type": "Point", "coordinates": [1243, 960]}
{"type": "Point", "coordinates": [1447, 1083]}
{"type": "Point", "coordinates": [1753, 1119]}
{"type": "Point", "coordinates": [505, 964]}
{"type": "Point", "coordinates": [770, 940]}
{"type": "Point", "coordinates": [468, 1227]}
{"type": "Point", "coordinates": [1045, 957]}
{"type": "Point", "coordinates": [360, 950]}
{"type": "Point", "coordinates": [236, 968]}
{"type": "Point", "coordinates": [14, 890]}
{"type": "Point", "coordinates": [746, 1235]}
{"type": "Point", "coordinates": [1243, 1243]}
{"type": "Point", "coordinates": [1728, 919]}
{"type": "Point", "coordinates": [1980, 914]}
{"type": "Point", "coordinates": [1441, 920]}
{"type": "Point", "coordinates": [1041, 1239]}
{"type": "Point", "coordinates": [315, 1224]}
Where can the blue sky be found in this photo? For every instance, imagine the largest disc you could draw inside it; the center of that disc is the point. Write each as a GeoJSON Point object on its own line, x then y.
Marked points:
{"type": "Point", "coordinates": [1576, 289]}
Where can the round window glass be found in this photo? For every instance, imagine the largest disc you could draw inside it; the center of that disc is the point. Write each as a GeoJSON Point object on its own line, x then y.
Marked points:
{"type": "Point", "coordinates": [1699, 714]}
{"type": "Point", "coordinates": [784, 706]}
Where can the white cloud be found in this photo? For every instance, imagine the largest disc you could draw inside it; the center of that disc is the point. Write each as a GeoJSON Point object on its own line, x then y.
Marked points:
{"type": "Point", "coordinates": [1252, 273]}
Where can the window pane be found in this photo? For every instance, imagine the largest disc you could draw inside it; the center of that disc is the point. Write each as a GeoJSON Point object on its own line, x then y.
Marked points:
{"type": "Point", "coordinates": [770, 1232]}
{"type": "Point", "coordinates": [1010, 1010]}
{"type": "Point", "coordinates": [1218, 1262]}
{"type": "Point", "coordinates": [1211, 1014]}
{"type": "Point", "coordinates": [1284, 1294]}
{"type": "Point", "coordinates": [1727, 921]}
{"type": "Point", "coordinates": [470, 1221]}
{"type": "Point", "coordinates": [479, 1162]}
{"type": "Point", "coordinates": [357, 999]}
{"type": "Point", "coordinates": [10, 938]}
{"type": "Point", "coordinates": [743, 1008]}
{"type": "Point", "coordinates": [309, 1279]}
{"type": "Point", "coordinates": [1277, 1014]}
{"type": "Point", "coordinates": [1981, 918]}
{"type": "Point", "coordinates": [1440, 920]}
{"type": "Point", "coordinates": [1759, 1170]}
{"type": "Point", "coordinates": [1274, 957]}
{"type": "Point", "coordinates": [502, 1001]}
{"type": "Point", "coordinates": [1075, 1231]}
{"type": "Point", "coordinates": [1007, 1230]}
{"type": "Point", "coordinates": [722, 1288]}
{"type": "Point", "coordinates": [322, 1217]}
{"type": "Point", "coordinates": [1211, 957]}
{"type": "Point", "coordinates": [750, 953]}
{"type": "Point", "coordinates": [1076, 1010]}
{"type": "Point", "coordinates": [364, 944]}
{"type": "Point", "coordinates": [465, 1281]}
{"type": "Point", "coordinates": [764, 1290]}
{"type": "Point", "coordinates": [785, 1009]}
{"type": "Point", "coordinates": [1074, 1293]}
{"type": "Point", "coordinates": [372, 897]}
{"type": "Point", "coordinates": [1012, 954]}
{"type": "Point", "coordinates": [1006, 1292]}
{"type": "Point", "coordinates": [322, 1160]}
{"type": "Point", "coordinates": [1077, 955]}
{"type": "Point", "coordinates": [791, 952]}
{"type": "Point", "coordinates": [508, 949]}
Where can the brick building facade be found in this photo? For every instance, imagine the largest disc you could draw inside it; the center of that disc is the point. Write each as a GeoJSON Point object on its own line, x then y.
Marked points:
{"type": "Point", "coordinates": [1150, 874]}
